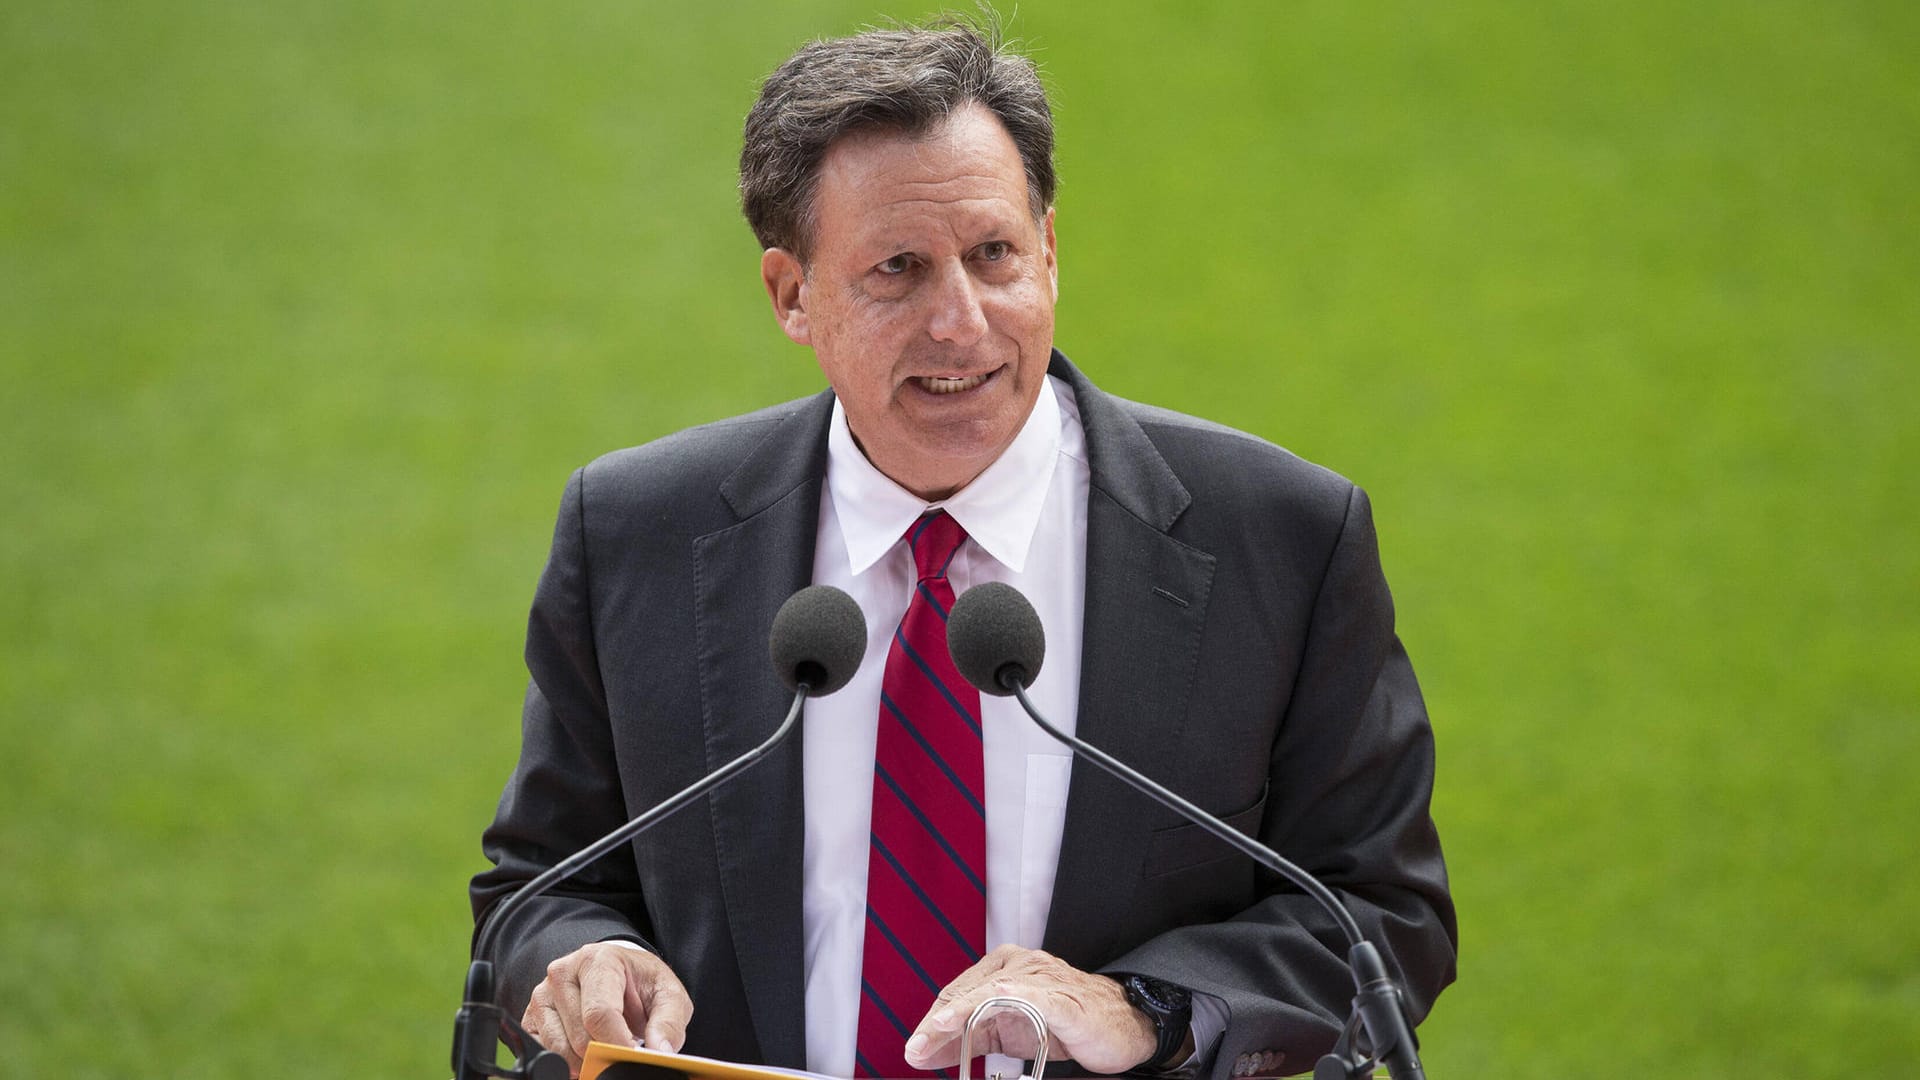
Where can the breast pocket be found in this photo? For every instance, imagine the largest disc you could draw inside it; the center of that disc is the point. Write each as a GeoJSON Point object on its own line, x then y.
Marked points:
{"type": "Point", "coordinates": [1181, 847]}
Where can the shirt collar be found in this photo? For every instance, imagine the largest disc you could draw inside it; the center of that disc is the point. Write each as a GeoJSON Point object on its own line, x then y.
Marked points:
{"type": "Point", "coordinates": [1000, 509]}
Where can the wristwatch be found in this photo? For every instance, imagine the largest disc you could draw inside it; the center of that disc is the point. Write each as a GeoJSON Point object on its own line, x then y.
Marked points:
{"type": "Point", "coordinates": [1170, 1007]}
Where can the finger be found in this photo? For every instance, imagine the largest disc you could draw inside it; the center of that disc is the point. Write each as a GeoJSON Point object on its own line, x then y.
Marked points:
{"type": "Point", "coordinates": [563, 988]}
{"type": "Point", "coordinates": [950, 1009]}
{"type": "Point", "coordinates": [937, 1050]}
{"type": "Point", "coordinates": [534, 1020]}
{"type": "Point", "coordinates": [668, 1009]}
{"type": "Point", "coordinates": [937, 1044]}
{"type": "Point", "coordinates": [603, 1000]}
{"type": "Point", "coordinates": [536, 1005]}
{"type": "Point", "coordinates": [1004, 1031]}
{"type": "Point", "coordinates": [544, 1025]}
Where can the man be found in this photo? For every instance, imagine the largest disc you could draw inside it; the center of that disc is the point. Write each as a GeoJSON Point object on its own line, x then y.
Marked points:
{"type": "Point", "coordinates": [1215, 615]}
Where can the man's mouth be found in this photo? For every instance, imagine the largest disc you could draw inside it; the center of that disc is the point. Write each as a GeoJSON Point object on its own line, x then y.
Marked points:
{"type": "Point", "coordinates": [939, 384]}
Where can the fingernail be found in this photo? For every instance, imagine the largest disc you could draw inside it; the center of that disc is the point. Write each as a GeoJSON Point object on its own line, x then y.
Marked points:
{"type": "Point", "coordinates": [943, 1018]}
{"type": "Point", "coordinates": [916, 1045]}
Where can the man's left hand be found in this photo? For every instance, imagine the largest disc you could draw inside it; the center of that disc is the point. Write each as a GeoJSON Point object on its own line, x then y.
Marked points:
{"type": "Point", "coordinates": [1088, 1016]}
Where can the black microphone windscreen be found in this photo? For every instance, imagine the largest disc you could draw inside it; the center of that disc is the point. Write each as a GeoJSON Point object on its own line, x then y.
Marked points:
{"type": "Point", "coordinates": [994, 633]}
{"type": "Point", "coordinates": [819, 637]}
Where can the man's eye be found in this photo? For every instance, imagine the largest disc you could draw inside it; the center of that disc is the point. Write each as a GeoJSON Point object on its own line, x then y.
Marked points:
{"type": "Point", "coordinates": [995, 250]}
{"type": "Point", "coordinates": [899, 264]}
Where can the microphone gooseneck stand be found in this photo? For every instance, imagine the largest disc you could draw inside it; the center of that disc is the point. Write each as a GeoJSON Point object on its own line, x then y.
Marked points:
{"type": "Point", "coordinates": [998, 645]}
{"type": "Point", "coordinates": [480, 1022]}
{"type": "Point", "coordinates": [1376, 1004]}
{"type": "Point", "coordinates": [819, 637]}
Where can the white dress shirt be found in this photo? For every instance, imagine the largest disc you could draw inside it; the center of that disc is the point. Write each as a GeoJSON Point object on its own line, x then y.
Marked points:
{"type": "Point", "coordinates": [1026, 519]}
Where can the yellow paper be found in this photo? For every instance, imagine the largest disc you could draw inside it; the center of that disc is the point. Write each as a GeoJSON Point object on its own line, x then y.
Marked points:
{"type": "Point", "coordinates": [600, 1055]}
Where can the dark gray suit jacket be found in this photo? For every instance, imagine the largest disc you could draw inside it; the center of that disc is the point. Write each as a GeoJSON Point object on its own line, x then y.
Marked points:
{"type": "Point", "coordinates": [1239, 647]}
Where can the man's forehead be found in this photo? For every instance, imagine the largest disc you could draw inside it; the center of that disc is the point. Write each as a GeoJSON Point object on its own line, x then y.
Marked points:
{"type": "Point", "coordinates": [969, 165]}
{"type": "Point", "coordinates": [971, 132]}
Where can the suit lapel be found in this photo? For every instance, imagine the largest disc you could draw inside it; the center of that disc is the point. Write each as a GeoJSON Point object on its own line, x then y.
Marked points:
{"type": "Point", "coordinates": [1146, 607]}
{"type": "Point", "coordinates": [742, 575]}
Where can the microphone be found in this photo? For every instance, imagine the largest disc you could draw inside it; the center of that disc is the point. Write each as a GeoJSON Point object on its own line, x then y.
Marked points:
{"type": "Point", "coordinates": [818, 639]}
{"type": "Point", "coordinates": [997, 645]}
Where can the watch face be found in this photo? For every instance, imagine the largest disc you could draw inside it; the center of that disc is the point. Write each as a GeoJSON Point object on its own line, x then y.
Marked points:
{"type": "Point", "coordinates": [1160, 996]}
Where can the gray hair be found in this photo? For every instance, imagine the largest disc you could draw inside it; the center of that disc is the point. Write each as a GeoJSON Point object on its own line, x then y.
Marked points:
{"type": "Point", "coordinates": [908, 79]}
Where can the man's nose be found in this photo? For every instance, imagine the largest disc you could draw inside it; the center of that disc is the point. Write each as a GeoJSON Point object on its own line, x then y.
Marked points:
{"type": "Point", "coordinates": [957, 317]}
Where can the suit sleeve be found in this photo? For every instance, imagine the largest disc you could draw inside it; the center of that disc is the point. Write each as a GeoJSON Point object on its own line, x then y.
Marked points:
{"type": "Point", "coordinates": [1349, 786]}
{"type": "Point", "coordinates": [564, 792]}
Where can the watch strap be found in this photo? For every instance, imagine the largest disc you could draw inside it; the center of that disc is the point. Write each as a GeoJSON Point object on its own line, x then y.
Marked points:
{"type": "Point", "coordinates": [1170, 1007]}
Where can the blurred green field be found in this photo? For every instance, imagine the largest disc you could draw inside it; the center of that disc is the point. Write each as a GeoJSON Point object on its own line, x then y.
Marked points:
{"type": "Point", "coordinates": [306, 310]}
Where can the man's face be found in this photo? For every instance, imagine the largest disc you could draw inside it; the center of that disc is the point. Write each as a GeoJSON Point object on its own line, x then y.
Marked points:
{"type": "Point", "coordinates": [929, 298]}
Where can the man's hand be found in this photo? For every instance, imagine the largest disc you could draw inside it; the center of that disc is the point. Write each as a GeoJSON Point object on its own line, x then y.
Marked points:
{"type": "Point", "coordinates": [605, 992]}
{"type": "Point", "coordinates": [1088, 1017]}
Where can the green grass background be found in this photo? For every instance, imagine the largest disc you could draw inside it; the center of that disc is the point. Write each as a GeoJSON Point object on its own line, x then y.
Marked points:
{"type": "Point", "coordinates": [306, 310]}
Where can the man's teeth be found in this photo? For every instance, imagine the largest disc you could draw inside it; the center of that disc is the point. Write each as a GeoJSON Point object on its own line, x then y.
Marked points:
{"type": "Point", "coordinates": [938, 385]}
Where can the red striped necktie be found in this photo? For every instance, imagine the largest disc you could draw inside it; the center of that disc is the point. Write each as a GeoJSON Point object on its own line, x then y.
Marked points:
{"type": "Point", "coordinates": [927, 863]}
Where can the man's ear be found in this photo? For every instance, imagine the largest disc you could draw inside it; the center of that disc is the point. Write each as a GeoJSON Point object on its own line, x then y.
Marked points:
{"type": "Point", "coordinates": [786, 282]}
{"type": "Point", "coordinates": [1053, 256]}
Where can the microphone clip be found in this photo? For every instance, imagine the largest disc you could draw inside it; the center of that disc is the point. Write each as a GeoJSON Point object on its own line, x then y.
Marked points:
{"type": "Point", "coordinates": [1344, 1062]}
{"type": "Point", "coordinates": [1377, 1010]}
{"type": "Point", "coordinates": [481, 1026]}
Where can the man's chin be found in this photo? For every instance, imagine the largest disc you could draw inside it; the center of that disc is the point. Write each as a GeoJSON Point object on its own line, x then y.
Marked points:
{"type": "Point", "coordinates": [934, 469]}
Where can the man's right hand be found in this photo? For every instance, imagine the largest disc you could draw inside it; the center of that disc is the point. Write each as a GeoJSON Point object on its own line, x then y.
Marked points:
{"type": "Point", "coordinates": [607, 992]}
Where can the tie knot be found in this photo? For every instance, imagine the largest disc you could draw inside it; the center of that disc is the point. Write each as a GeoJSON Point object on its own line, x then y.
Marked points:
{"type": "Point", "coordinates": [934, 539]}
